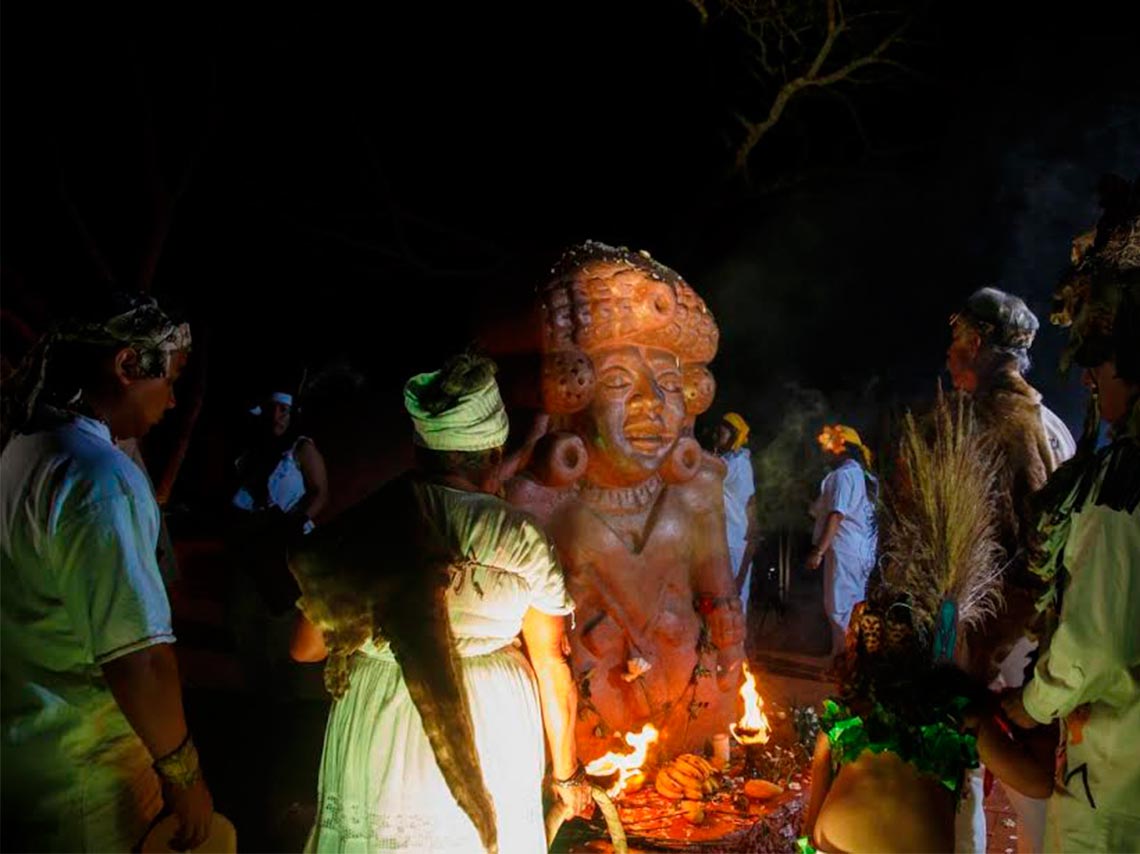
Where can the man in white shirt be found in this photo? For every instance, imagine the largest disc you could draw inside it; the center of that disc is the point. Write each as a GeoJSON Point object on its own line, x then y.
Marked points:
{"type": "Point", "coordinates": [740, 522]}
{"type": "Point", "coordinates": [91, 695]}
{"type": "Point", "coordinates": [846, 533]}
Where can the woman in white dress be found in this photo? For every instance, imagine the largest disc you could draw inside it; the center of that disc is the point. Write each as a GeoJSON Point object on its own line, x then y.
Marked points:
{"type": "Point", "coordinates": [423, 588]}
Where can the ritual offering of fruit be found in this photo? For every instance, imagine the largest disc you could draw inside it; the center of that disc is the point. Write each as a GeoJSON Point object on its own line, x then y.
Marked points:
{"type": "Point", "coordinates": [762, 790]}
{"type": "Point", "coordinates": [688, 776]}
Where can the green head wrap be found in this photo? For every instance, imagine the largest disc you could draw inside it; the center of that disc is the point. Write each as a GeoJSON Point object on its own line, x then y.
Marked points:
{"type": "Point", "coordinates": [454, 413]}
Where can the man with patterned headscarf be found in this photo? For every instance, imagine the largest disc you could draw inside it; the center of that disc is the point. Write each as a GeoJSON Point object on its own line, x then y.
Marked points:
{"type": "Point", "coordinates": [1089, 555]}
{"type": "Point", "coordinates": [987, 359]}
{"type": "Point", "coordinates": [92, 705]}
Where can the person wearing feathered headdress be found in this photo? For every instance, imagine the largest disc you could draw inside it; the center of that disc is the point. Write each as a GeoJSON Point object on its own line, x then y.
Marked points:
{"type": "Point", "coordinates": [1088, 673]}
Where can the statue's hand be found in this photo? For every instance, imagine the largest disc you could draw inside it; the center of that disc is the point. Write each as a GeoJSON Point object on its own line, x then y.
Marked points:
{"type": "Point", "coordinates": [726, 624]}
{"type": "Point", "coordinates": [726, 631]}
{"type": "Point", "coordinates": [728, 661]}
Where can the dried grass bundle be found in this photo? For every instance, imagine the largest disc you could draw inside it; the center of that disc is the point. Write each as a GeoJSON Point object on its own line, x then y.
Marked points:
{"type": "Point", "coordinates": [939, 536]}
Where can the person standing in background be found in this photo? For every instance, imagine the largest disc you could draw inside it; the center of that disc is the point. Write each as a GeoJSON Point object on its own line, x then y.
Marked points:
{"type": "Point", "coordinates": [731, 445]}
{"type": "Point", "coordinates": [845, 536]}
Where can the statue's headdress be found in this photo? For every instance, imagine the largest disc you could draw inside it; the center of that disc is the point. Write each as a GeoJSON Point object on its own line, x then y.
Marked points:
{"type": "Point", "coordinates": [602, 296]}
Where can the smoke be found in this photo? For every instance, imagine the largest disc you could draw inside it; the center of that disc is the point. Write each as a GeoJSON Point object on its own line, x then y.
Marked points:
{"type": "Point", "coordinates": [1049, 190]}
{"type": "Point", "coordinates": [787, 462]}
{"type": "Point", "coordinates": [786, 469]}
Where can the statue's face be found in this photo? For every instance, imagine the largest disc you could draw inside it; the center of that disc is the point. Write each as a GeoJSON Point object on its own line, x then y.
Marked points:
{"type": "Point", "coordinates": [636, 415]}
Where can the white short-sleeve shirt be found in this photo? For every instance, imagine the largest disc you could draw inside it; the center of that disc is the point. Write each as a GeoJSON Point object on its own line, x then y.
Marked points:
{"type": "Point", "coordinates": [81, 586]}
{"type": "Point", "coordinates": [739, 487]}
{"type": "Point", "coordinates": [844, 490]}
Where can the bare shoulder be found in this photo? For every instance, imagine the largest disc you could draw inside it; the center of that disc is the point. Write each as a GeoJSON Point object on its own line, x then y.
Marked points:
{"type": "Point", "coordinates": [305, 447]}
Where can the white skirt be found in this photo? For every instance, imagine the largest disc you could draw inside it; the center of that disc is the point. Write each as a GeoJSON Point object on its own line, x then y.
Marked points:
{"type": "Point", "coordinates": [380, 787]}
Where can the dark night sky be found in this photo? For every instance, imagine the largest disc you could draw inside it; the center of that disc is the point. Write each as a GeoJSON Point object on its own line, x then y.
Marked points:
{"type": "Point", "coordinates": [370, 176]}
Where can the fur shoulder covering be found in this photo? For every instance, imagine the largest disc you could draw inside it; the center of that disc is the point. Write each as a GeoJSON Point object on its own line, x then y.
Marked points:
{"type": "Point", "coordinates": [1012, 421]}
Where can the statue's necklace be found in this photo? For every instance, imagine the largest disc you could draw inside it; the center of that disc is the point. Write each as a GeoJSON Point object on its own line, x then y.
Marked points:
{"type": "Point", "coordinates": [621, 500]}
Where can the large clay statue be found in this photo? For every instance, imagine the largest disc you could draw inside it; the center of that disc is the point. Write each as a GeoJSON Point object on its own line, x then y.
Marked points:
{"type": "Point", "coordinates": [632, 502]}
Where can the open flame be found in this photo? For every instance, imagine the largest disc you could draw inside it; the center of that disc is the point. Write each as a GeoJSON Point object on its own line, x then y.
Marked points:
{"type": "Point", "coordinates": [625, 765]}
{"type": "Point", "coordinates": [752, 728]}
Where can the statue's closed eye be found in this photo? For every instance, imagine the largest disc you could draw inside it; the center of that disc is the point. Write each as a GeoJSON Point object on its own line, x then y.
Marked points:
{"type": "Point", "coordinates": [670, 381]}
{"type": "Point", "coordinates": [617, 378]}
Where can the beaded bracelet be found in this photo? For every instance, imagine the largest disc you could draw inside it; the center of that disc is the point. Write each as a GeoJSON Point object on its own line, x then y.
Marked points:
{"type": "Point", "coordinates": [578, 778]}
{"type": "Point", "coordinates": [180, 767]}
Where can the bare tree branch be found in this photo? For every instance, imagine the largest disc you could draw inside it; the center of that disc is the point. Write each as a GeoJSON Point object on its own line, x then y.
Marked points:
{"type": "Point", "coordinates": [163, 199]}
{"type": "Point", "coordinates": [90, 245]}
{"type": "Point", "coordinates": [780, 30]}
{"type": "Point", "coordinates": [701, 10]}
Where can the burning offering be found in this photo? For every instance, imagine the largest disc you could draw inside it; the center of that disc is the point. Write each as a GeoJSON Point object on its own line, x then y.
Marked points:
{"type": "Point", "coordinates": [625, 768]}
{"type": "Point", "coordinates": [704, 801]}
{"type": "Point", "coordinates": [753, 725]}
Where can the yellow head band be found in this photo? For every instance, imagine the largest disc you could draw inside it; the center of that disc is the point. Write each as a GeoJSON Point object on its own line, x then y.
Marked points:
{"type": "Point", "coordinates": [836, 437]}
{"type": "Point", "coordinates": [739, 427]}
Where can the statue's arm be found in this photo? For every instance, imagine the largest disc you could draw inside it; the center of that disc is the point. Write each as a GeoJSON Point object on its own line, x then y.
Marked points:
{"type": "Point", "coordinates": [714, 587]}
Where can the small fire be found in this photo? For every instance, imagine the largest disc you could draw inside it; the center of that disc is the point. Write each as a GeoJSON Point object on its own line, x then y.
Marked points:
{"type": "Point", "coordinates": [625, 765]}
{"type": "Point", "coordinates": [753, 725]}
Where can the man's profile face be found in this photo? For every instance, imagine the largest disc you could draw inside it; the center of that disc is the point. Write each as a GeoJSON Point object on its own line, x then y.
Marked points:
{"type": "Point", "coordinates": [962, 356]}
{"type": "Point", "coordinates": [1114, 395]}
{"type": "Point", "coordinates": [722, 438]}
{"type": "Point", "coordinates": [149, 398]}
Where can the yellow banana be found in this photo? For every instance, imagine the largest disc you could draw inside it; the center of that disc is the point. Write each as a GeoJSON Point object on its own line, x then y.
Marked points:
{"type": "Point", "coordinates": [671, 779]}
{"type": "Point", "coordinates": [704, 763]}
{"type": "Point", "coordinates": [666, 786]}
{"type": "Point", "coordinates": [684, 774]}
{"type": "Point", "coordinates": [689, 762]}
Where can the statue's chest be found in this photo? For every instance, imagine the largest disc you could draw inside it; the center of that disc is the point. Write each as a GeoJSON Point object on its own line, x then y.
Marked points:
{"type": "Point", "coordinates": [643, 549]}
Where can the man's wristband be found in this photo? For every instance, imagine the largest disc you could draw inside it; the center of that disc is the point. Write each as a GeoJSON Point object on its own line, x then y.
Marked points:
{"type": "Point", "coordinates": [180, 767]}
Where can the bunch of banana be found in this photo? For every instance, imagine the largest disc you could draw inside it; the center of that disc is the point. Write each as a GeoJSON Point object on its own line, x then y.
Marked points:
{"type": "Point", "coordinates": [688, 776]}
